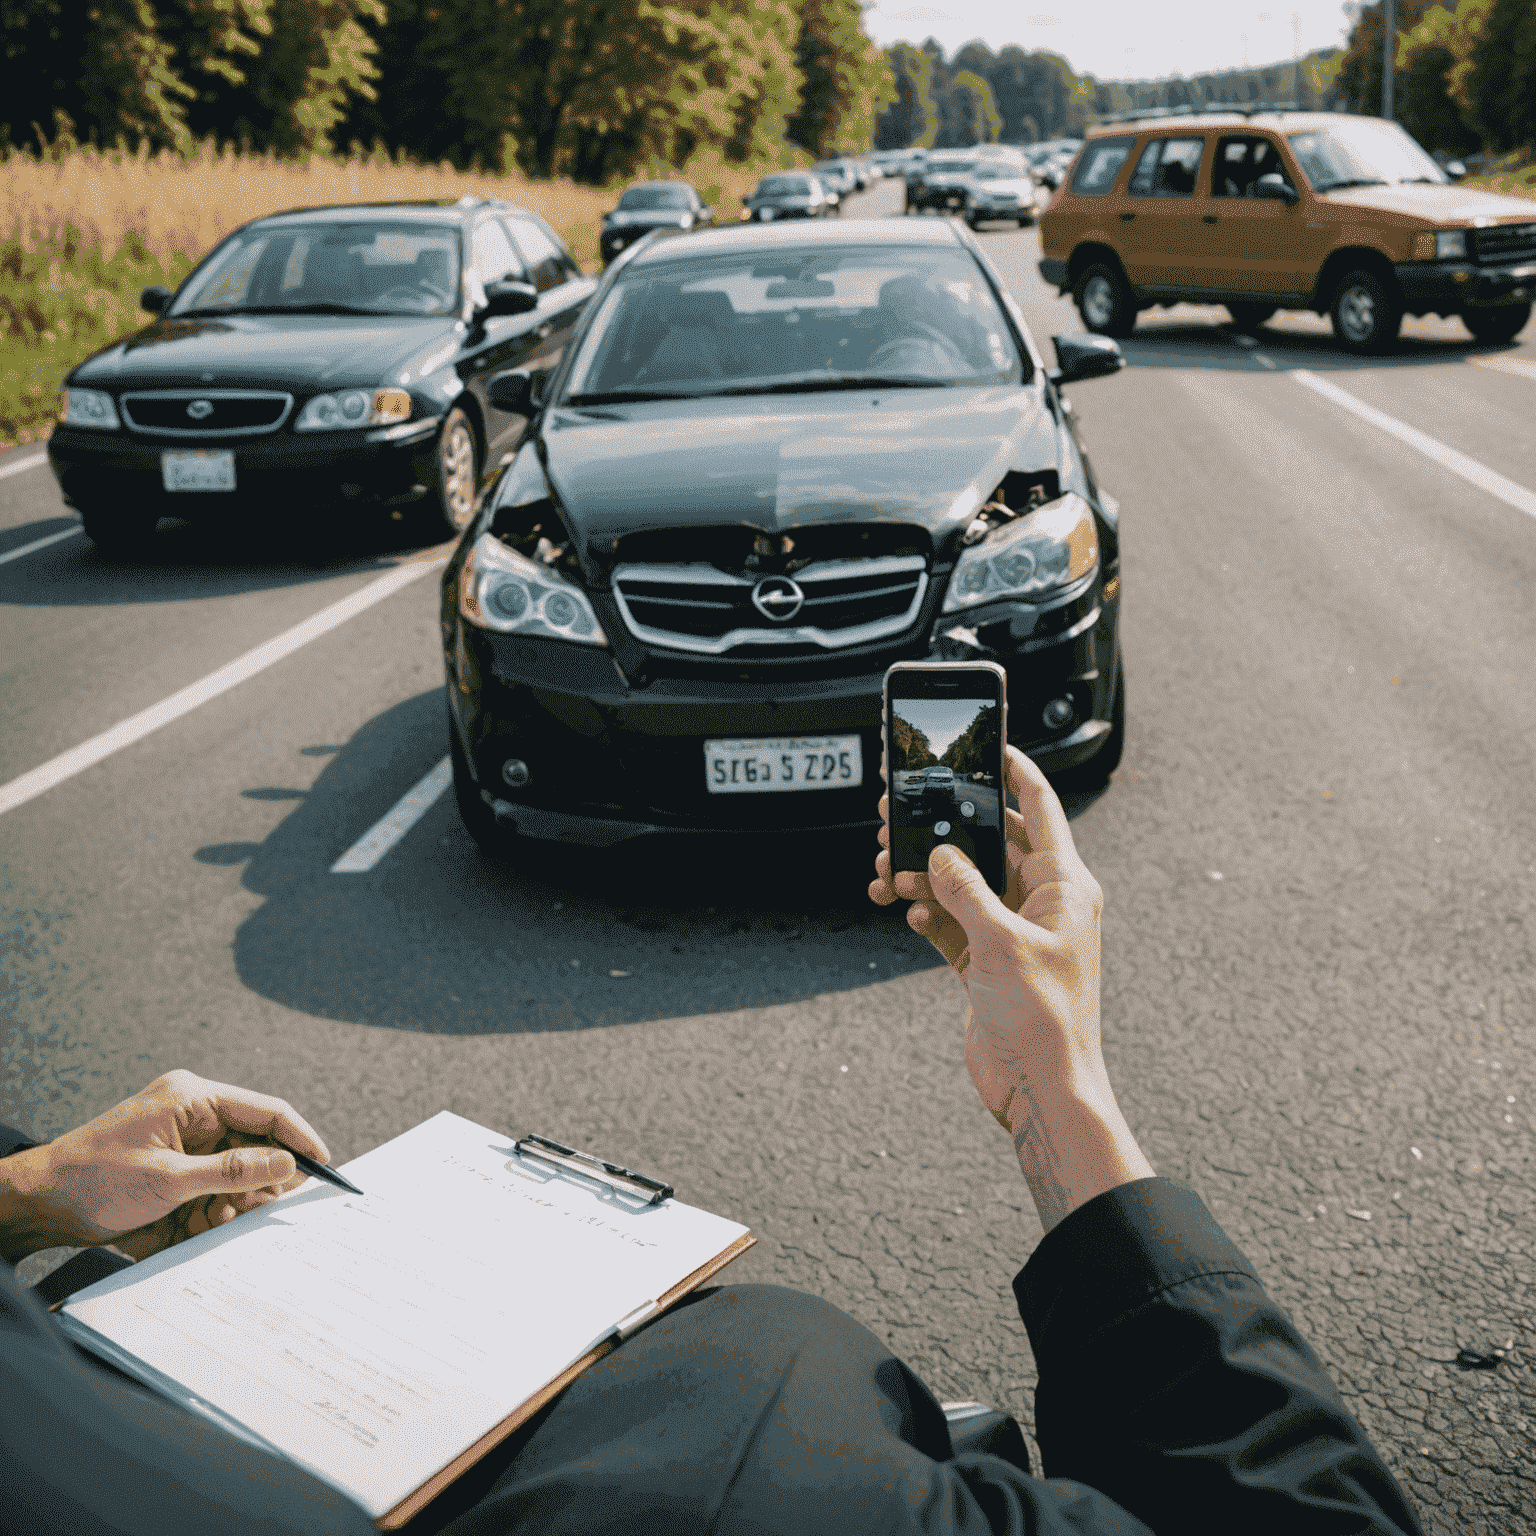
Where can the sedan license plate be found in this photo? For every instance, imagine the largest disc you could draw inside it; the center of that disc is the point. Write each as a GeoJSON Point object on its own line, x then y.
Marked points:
{"type": "Point", "coordinates": [198, 469]}
{"type": "Point", "coordinates": [777, 764]}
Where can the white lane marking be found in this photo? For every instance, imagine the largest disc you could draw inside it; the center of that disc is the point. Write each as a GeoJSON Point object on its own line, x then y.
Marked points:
{"type": "Point", "coordinates": [40, 780]}
{"type": "Point", "coordinates": [1485, 479]}
{"type": "Point", "coordinates": [383, 835]}
{"type": "Point", "coordinates": [1520, 367]}
{"type": "Point", "coordinates": [42, 543]}
{"type": "Point", "coordinates": [21, 466]}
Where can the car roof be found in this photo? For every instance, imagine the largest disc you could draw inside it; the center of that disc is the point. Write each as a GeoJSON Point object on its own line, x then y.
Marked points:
{"type": "Point", "coordinates": [802, 232]}
{"type": "Point", "coordinates": [418, 212]}
{"type": "Point", "coordinates": [1216, 117]}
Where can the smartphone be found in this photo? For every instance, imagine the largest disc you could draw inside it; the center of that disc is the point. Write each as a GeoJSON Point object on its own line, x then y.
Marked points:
{"type": "Point", "coordinates": [946, 727]}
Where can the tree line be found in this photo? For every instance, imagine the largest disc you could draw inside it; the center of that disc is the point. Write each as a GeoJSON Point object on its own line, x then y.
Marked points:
{"type": "Point", "coordinates": [594, 91]}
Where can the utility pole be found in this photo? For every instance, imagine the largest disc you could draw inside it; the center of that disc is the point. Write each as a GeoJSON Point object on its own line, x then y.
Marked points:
{"type": "Point", "coordinates": [1388, 55]}
{"type": "Point", "coordinates": [1296, 57]}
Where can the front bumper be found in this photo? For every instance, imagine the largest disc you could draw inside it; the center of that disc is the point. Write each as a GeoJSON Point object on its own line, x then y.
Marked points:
{"type": "Point", "coordinates": [378, 466]}
{"type": "Point", "coordinates": [1448, 287]}
{"type": "Point", "coordinates": [610, 761]}
{"type": "Point", "coordinates": [949, 199]}
{"type": "Point", "coordinates": [773, 214]}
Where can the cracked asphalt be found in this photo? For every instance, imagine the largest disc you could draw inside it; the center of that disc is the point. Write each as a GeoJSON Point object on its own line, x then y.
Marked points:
{"type": "Point", "coordinates": [1318, 863]}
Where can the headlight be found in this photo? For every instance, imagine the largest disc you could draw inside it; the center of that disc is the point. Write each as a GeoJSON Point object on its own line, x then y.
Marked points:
{"type": "Point", "coordinates": [89, 408]}
{"type": "Point", "coordinates": [1450, 244]}
{"type": "Point", "coordinates": [502, 590]}
{"type": "Point", "coordinates": [1044, 549]}
{"type": "Point", "coordinates": [354, 408]}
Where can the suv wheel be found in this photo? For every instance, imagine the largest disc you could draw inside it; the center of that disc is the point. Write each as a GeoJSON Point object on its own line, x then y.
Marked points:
{"type": "Point", "coordinates": [1249, 317]}
{"type": "Point", "coordinates": [458, 473]}
{"type": "Point", "coordinates": [1366, 313]}
{"type": "Point", "coordinates": [1495, 325]}
{"type": "Point", "coordinates": [1105, 301]}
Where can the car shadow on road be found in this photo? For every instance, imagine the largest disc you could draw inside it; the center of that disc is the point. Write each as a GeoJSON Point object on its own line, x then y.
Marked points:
{"type": "Point", "coordinates": [186, 561]}
{"type": "Point", "coordinates": [440, 939]}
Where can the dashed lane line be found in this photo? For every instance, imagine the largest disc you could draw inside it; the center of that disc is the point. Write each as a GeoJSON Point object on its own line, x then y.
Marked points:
{"type": "Point", "coordinates": [40, 780]}
{"type": "Point", "coordinates": [1485, 479]}
{"type": "Point", "coordinates": [21, 466]}
{"type": "Point", "coordinates": [1519, 367]}
{"type": "Point", "coordinates": [42, 543]}
{"type": "Point", "coordinates": [384, 834]}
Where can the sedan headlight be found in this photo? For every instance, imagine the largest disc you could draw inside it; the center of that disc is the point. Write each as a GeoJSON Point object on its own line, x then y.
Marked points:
{"type": "Point", "coordinates": [354, 408]}
{"type": "Point", "coordinates": [1450, 244]}
{"type": "Point", "coordinates": [90, 408]}
{"type": "Point", "coordinates": [502, 590]}
{"type": "Point", "coordinates": [1047, 548]}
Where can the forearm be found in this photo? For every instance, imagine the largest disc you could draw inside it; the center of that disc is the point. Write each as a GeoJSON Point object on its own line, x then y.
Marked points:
{"type": "Point", "coordinates": [27, 1220]}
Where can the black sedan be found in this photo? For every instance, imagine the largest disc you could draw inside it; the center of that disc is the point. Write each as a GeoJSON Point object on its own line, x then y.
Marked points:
{"type": "Point", "coordinates": [652, 205]}
{"type": "Point", "coordinates": [773, 462]}
{"type": "Point", "coordinates": [789, 195]}
{"type": "Point", "coordinates": [320, 359]}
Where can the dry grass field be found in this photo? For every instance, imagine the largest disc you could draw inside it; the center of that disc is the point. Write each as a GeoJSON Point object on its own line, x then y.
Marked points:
{"type": "Point", "coordinates": [82, 231]}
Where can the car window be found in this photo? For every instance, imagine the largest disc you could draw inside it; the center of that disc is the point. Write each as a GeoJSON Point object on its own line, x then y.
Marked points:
{"type": "Point", "coordinates": [1362, 152]}
{"type": "Point", "coordinates": [1239, 163]}
{"type": "Point", "coordinates": [1168, 168]}
{"type": "Point", "coordinates": [656, 197]}
{"type": "Point", "coordinates": [546, 261]}
{"type": "Point", "coordinates": [785, 186]}
{"type": "Point", "coordinates": [495, 256]}
{"type": "Point", "coordinates": [1100, 164]}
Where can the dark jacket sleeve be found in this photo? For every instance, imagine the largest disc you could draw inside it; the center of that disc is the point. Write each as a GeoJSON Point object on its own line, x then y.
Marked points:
{"type": "Point", "coordinates": [1171, 1382]}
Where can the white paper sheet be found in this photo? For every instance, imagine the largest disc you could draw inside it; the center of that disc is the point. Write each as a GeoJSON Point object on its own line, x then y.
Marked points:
{"type": "Point", "coordinates": [373, 1338]}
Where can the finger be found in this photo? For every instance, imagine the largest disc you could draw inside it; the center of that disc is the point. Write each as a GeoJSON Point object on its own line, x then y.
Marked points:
{"type": "Point", "coordinates": [912, 886]}
{"type": "Point", "coordinates": [238, 1171]}
{"type": "Point", "coordinates": [960, 888]}
{"type": "Point", "coordinates": [259, 1114]}
{"type": "Point", "coordinates": [939, 928]}
{"type": "Point", "coordinates": [1045, 823]}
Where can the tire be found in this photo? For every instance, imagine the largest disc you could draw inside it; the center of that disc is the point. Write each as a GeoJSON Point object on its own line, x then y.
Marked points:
{"type": "Point", "coordinates": [1366, 313]}
{"type": "Point", "coordinates": [119, 535]}
{"type": "Point", "coordinates": [1104, 300]}
{"type": "Point", "coordinates": [1497, 325]}
{"type": "Point", "coordinates": [1249, 317]}
{"type": "Point", "coordinates": [478, 818]}
{"type": "Point", "coordinates": [458, 474]}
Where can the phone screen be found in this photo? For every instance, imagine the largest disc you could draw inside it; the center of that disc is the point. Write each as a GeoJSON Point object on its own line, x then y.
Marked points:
{"type": "Point", "coordinates": [945, 730]}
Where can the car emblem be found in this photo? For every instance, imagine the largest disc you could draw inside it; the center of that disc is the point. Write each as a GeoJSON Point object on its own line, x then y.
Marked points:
{"type": "Point", "coordinates": [777, 598]}
{"type": "Point", "coordinates": [200, 410]}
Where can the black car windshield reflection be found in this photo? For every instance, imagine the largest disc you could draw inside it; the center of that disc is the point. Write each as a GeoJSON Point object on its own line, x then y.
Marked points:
{"type": "Point", "coordinates": [851, 318]}
{"type": "Point", "coordinates": [362, 267]}
{"type": "Point", "coordinates": [648, 198]}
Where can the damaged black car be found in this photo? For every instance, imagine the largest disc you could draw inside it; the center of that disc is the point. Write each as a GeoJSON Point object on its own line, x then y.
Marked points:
{"type": "Point", "coordinates": [771, 462]}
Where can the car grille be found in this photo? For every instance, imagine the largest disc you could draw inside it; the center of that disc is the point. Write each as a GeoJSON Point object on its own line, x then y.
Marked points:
{"type": "Point", "coordinates": [700, 608]}
{"type": "Point", "coordinates": [216, 412]}
{"type": "Point", "coordinates": [1505, 242]}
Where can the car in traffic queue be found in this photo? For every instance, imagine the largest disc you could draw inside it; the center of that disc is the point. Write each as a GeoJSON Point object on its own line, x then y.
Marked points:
{"type": "Point", "coordinates": [325, 359]}
{"type": "Point", "coordinates": [772, 462]}
{"type": "Point", "coordinates": [788, 195]}
{"type": "Point", "coordinates": [1267, 210]}
{"type": "Point", "coordinates": [652, 205]}
{"type": "Point", "coordinates": [943, 183]}
{"type": "Point", "coordinates": [998, 190]}
{"type": "Point", "coordinates": [841, 175]}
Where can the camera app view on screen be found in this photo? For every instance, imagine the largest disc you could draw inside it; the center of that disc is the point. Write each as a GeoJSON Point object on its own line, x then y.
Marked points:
{"type": "Point", "coordinates": [944, 775]}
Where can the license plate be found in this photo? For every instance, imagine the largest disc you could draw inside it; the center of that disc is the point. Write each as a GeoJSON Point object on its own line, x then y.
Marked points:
{"type": "Point", "coordinates": [198, 469]}
{"type": "Point", "coordinates": [777, 764]}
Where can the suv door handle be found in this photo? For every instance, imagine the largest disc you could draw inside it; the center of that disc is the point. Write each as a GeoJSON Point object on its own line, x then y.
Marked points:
{"type": "Point", "coordinates": [1125, 218]}
{"type": "Point", "coordinates": [1207, 218]}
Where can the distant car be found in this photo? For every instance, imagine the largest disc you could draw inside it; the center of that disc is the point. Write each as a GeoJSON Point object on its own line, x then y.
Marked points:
{"type": "Point", "coordinates": [1000, 190]}
{"type": "Point", "coordinates": [939, 779]}
{"type": "Point", "coordinates": [841, 175]}
{"type": "Point", "coordinates": [652, 205]}
{"type": "Point", "coordinates": [943, 183]}
{"type": "Point", "coordinates": [326, 358]}
{"type": "Point", "coordinates": [788, 195]}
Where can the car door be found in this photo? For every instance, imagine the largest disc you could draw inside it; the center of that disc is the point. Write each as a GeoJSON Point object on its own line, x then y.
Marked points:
{"type": "Point", "coordinates": [1252, 242]}
{"type": "Point", "coordinates": [499, 343]}
{"type": "Point", "coordinates": [563, 291]}
{"type": "Point", "coordinates": [1164, 228]}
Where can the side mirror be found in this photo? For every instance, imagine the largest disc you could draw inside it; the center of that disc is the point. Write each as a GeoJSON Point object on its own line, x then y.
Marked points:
{"type": "Point", "coordinates": [1085, 357]}
{"type": "Point", "coordinates": [155, 298]}
{"type": "Point", "coordinates": [507, 296]}
{"type": "Point", "coordinates": [1455, 170]}
{"type": "Point", "coordinates": [517, 393]}
{"type": "Point", "coordinates": [1276, 189]}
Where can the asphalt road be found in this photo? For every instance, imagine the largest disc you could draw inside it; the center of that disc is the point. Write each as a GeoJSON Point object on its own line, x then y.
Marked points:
{"type": "Point", "coordinates": [1317, 858]}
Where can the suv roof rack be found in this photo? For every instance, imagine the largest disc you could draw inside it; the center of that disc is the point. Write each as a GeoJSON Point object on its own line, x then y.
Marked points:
{"type": "Point", "coordinates": [1235, 108]}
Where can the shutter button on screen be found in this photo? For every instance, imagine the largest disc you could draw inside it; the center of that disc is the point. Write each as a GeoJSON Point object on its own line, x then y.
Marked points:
{"type": "Point", "coordinates": [941, 829]}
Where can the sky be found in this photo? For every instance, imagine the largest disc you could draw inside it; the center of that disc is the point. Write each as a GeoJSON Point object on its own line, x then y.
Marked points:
{"type": "Point", "coordinates": [1120, 39]}
{"type": "Point", "coordinates": [940, 720]}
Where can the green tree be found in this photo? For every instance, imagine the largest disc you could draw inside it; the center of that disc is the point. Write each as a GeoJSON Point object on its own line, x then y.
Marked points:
{"type": "Point", "coordinates": [1494, 76]}
{"type": "Point", "coordinates": [1426, 57]}
{"type": "Point", "coordinates": [913, 115]}
{"type": "Point", "coordinates": [1360, 74]}
{"type": "Point", "coordinates": [967, 112]}
{"type": "Point", "coordinates": [847, 79]}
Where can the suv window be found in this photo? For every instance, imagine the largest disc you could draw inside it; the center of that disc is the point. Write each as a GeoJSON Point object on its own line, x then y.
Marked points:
{"type": "Point", "coordinates": [1168, 168]}
{"type": "Point", "coordinates": [1240, 162]}
{"type": "Point", "coordinates": [494, 255]}
{"type": "Point", "coordinates": [545, 259]}
{"type": "Point", "coordinates": [1100, 164]}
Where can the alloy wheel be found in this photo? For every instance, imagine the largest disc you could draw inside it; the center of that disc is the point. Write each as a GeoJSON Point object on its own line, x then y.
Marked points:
{"type": "Point", "coordinates": [458, 460]}
{"type": "Point", "coordinates": [1098, 301]}
{"type": "Point", "coordinates": [1357, 313]}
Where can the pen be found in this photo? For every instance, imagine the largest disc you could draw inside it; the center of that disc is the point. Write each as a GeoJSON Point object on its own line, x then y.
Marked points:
{"type": "Point", "coordinates": [321, 1171]}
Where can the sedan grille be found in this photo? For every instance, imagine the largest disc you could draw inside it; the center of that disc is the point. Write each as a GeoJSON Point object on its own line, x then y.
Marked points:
{"type": "Point", "coordinates": [1505, 242]}
{"type": "Point", "coordinates": [700, 608]}
{"type": "Point", "coordinates": [214, 412]}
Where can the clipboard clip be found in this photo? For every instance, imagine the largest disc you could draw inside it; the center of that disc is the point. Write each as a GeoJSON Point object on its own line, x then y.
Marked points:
{"type": "Point", "coordinates": [624, 1180]}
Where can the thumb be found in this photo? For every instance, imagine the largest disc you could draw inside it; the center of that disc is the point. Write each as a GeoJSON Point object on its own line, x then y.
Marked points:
{"type": "Point", "coordinates": [227, 1173]}
{"type": "Point", "coordinates": [961, 889]}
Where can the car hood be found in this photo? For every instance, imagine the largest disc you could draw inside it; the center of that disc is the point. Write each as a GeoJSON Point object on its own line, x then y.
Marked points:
{"type": "Point", "coordinates": [922, 457]}
{"type": "Point", "coordinates": [1436, 204]}
{"type": "Point", "coordinates": [265, 351]}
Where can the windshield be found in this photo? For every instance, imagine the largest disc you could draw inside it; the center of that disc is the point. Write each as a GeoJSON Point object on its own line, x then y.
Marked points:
{"type": "Point", "coordinates": [1362, 153]}
{"type": "Point", "coordinates": [997, 173]}
{"type": "Point", "coordinates": [785, 186]}
{"type": "Point", "coordinates": [814, 318]}
{"type": "Point", "coordinates": [950, 167]}
{"type": "Point", "coordinates": [656, 197]}
{"type": "Point", "coordinates": [370, 267]}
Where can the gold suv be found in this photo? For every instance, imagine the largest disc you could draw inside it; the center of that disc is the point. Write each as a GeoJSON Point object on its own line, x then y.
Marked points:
{"type": "Point", "coordinates": [1342, 215]}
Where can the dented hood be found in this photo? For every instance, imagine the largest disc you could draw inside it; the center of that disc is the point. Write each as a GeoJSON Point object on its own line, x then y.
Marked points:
{"type": "Point", "coordinates": [925, 457]}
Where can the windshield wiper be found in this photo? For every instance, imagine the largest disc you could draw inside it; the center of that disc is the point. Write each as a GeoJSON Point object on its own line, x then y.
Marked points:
{"type": "Point", "coordinates": [812, 383]}
{"type": "Point", "coordinates": [627, 396]}
{"type": "Point", "coordinates": [1354, 181]}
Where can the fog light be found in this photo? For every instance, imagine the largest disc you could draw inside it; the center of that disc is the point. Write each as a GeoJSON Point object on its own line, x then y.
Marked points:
{"type": "Point", "coordinates": [1057, 714]}
{"type": "Point", "coordinates": [515, 772]}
